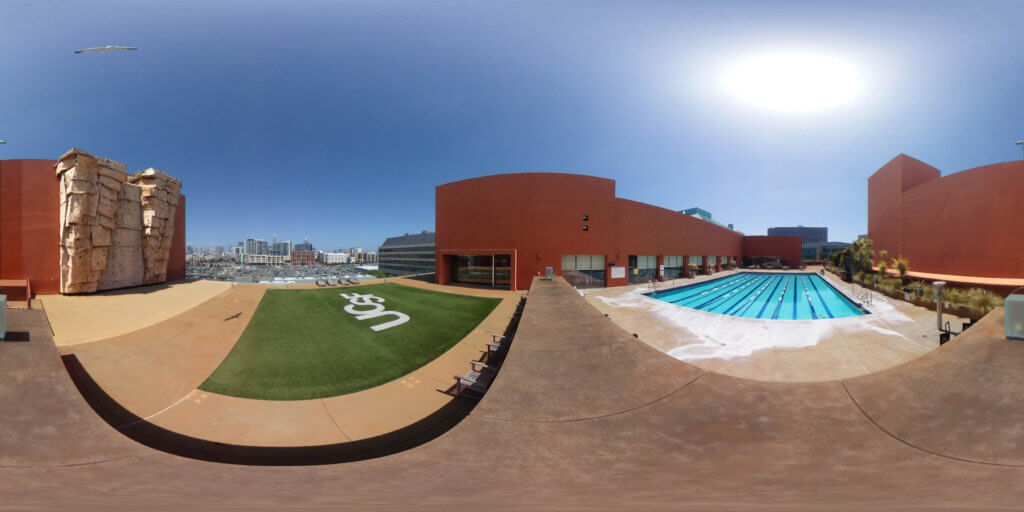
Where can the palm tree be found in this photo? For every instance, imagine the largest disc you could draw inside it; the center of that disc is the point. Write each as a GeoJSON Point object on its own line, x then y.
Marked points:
{"type": "Point", "coordinates": [902, 265]}
{"type": "Point", "coordinates": [863, 253]}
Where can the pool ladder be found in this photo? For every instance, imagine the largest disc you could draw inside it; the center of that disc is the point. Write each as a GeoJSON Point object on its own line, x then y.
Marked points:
{"type": "Point", "coordinates": [653, 284]}
{"type": "Point", "coordinates": [864, 296]}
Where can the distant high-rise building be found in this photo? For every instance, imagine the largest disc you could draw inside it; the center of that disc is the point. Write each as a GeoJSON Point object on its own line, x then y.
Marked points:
{"type": "Point", "coordinates": [282, 248]}
{"type": "Point", "coordinates": [304, 246]}
{"type": "Point", "coordinates": [256, 246]}
{"type": "Point", "coordinates": [807, 234]}
{"type": "Point", "coordinates": [409, 254]}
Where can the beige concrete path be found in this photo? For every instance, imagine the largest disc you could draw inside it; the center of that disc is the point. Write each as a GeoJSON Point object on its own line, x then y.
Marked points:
{"type": "Point", "coordinates": [155, 373]}
{"type": "Point", "coordinates": [776, 350]}
{"type": "Point", "coordinates": [1008, 282]}
{"type": "Point", "coordinates": [84, 318]}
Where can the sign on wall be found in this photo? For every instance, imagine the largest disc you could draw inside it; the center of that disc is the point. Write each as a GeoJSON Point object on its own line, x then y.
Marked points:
{"type": "Point", "coordinates": [618, 272]}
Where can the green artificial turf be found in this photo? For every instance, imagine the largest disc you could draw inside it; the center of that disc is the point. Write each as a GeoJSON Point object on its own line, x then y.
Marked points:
{"type": "Point", "coordinates": [301, 344]}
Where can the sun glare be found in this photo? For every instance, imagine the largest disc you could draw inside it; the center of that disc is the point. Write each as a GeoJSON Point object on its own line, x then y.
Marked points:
{"type": "Point", "coordinates": [793, 82]}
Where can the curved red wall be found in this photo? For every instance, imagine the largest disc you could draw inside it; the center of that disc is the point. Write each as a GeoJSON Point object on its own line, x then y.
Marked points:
{"type": "Point", "coordinates": [538, 217]}
{"type": "Point", "coordinates": [970, 223]}
{"type": "Point", "coordinates": [176, 259]}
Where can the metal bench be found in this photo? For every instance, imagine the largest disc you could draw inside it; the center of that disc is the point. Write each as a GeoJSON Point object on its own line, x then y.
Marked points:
{"type": "Point", "coordinates": [475, 383]}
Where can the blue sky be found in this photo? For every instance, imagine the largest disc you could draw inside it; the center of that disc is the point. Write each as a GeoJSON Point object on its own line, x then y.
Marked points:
{"type": "Point", "coordinates": [334, 120]}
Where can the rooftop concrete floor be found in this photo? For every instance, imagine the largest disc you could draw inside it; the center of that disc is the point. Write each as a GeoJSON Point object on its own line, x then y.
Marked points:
{"type": "Point", "coordinates": [583, 417]}
{"type": "Point", "coordinates": [776, 350]}
{"type": "Point", "coordinates": [98, 316]}
{"type": "Point", "coordinates": [155, 372]}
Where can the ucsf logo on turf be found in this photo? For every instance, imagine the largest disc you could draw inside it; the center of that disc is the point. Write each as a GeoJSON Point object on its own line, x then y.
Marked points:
{"type": "Point", "coordinates": [376, 310]}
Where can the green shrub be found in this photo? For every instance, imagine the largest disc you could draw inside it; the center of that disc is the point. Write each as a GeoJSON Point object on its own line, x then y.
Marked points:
{"type": "Point", "coordinates": [890, 286]}
{"type": "Point", "coordinates": [954, 297]}
{"type": "Point", "coordinates": [980, 302]}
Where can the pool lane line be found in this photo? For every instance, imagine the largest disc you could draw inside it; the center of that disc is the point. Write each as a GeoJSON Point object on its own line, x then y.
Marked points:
{"type": "Point", "coordinates": [770, 295]}
{"type": "Point", "coordinates": [796, 280]}
{"type": "Point", "coordinates": [730, 282]}
{"type": "Point", "coordinates": [782, 298]}
{"type": "Point", "coordinates": [743, 300]}
{"type": "Point", "coordinates": [807, 293]}
{"type": "Point", "coordinates": [724, 282]}
{"type": "Point", "coordinates": [822, 299]}
{"type": "Point", "coordinates": [767, 282]}
{"type": "Point", "coordinates": [725, 294]}
{"type": "Point", "coordinates": [752, 301]}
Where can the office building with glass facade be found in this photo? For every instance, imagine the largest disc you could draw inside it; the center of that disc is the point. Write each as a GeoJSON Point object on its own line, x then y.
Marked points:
{"type": "Point", "coordinates": [414, 254]}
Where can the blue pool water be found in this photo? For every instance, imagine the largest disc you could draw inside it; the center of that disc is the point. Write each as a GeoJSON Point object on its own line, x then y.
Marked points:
{"type": "Point", "coordinates": [769, 296]}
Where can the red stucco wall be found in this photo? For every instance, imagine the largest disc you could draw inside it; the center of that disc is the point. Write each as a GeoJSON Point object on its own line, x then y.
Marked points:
{"type": "Point", "coordinates": [176, 260]}
{"type": "Point", "coordinates": [968, 223]}
{"type": "Point", "coordinates": [30, 224]}
{"type": "Point", "coordinates": [538, 217]}
{"type": "Point", "coordinates": [786, 248]}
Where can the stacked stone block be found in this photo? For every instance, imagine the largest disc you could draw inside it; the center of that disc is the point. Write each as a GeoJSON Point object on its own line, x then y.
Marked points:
{"type": "Point", "coordinates": [125, 265]}
{"type": "Point", "coordinates": [115, 230]}
{"type": "Point", "coordinates": [159, 202]}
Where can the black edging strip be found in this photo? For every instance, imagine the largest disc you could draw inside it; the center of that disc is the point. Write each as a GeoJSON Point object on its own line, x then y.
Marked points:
{"type": "Point", "coordinates": [914, 446]}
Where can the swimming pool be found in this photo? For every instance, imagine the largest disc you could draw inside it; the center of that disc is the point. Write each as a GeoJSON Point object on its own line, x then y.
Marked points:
{"type": "Point", "coordinates": [767, 296]}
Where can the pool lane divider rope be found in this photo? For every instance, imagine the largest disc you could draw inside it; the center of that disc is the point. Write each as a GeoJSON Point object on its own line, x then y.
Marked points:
{"type": "Point", "coordinates": [725, 295]}
{"type": "Point", "coordinates": [822, 299]}
{"type": "Point", "coordinates": [750, 303]}
{"type": "Point", "coordinates": [770, 295]}
{"type": "Point", "coordinates": [782, 297]}
{"type": "Point", "coordinates": [728, 282]}
{"type": "Point", "coordinates": [807, 293]}
{"type": "Point", "coordinates": [743, 300]}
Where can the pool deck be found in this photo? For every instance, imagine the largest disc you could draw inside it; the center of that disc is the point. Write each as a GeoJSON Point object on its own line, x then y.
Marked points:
{"type": "Point", "coordinates": [893, 333]}
{"type": "Point", "coordinates": [581, 417]}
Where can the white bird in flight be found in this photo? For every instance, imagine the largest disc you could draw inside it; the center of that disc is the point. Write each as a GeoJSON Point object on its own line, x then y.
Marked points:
{"type": "Point", "coordinates": [106, 49]}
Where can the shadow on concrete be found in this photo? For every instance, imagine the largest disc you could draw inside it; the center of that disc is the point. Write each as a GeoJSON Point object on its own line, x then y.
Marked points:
{"type": "Point", "coordinates": [158, 438]}
{"type": "Point", "coordinates": [136, 290]}
{"type": "Point", "coordinates": [16, 336]}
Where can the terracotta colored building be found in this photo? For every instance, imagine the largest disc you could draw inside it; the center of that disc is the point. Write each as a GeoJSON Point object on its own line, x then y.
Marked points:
{"type": "Point", "coordinates": [303, 257]}
{"type": "Point", "coordinates": [969, 224]}
{"type": "Point", "coordinates": [503, 230]}
{"type": "Point", "coordinates": [30, 227]}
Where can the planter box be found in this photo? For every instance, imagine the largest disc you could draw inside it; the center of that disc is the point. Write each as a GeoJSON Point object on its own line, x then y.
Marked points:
{"type": "Point", "coordinates": [1014, 321]}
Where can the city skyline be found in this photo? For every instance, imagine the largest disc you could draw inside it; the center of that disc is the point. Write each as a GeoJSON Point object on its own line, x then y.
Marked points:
{"type": "Point", "coordinates": [338, 121]}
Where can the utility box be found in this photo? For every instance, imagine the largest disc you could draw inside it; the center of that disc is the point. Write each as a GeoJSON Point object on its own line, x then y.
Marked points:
{"type": "Point", "coordinates": [549, 273]}
{"type": "Point", "coordinates": [3, 317]}
{"type": "Point", "coordinates": [1014, 320]}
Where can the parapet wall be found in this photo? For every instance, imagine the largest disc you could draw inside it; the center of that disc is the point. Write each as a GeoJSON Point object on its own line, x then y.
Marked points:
{"type": "Point", "coordinates": [116, 230]}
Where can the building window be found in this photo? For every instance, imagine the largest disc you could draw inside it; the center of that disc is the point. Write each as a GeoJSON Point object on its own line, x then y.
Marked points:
{"type": "Point", "coordinates": [586, 227]}
{"type": "Point", "coordinates": [583, 270]}
{"type": "Point", "coordinates": [586, 218]}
